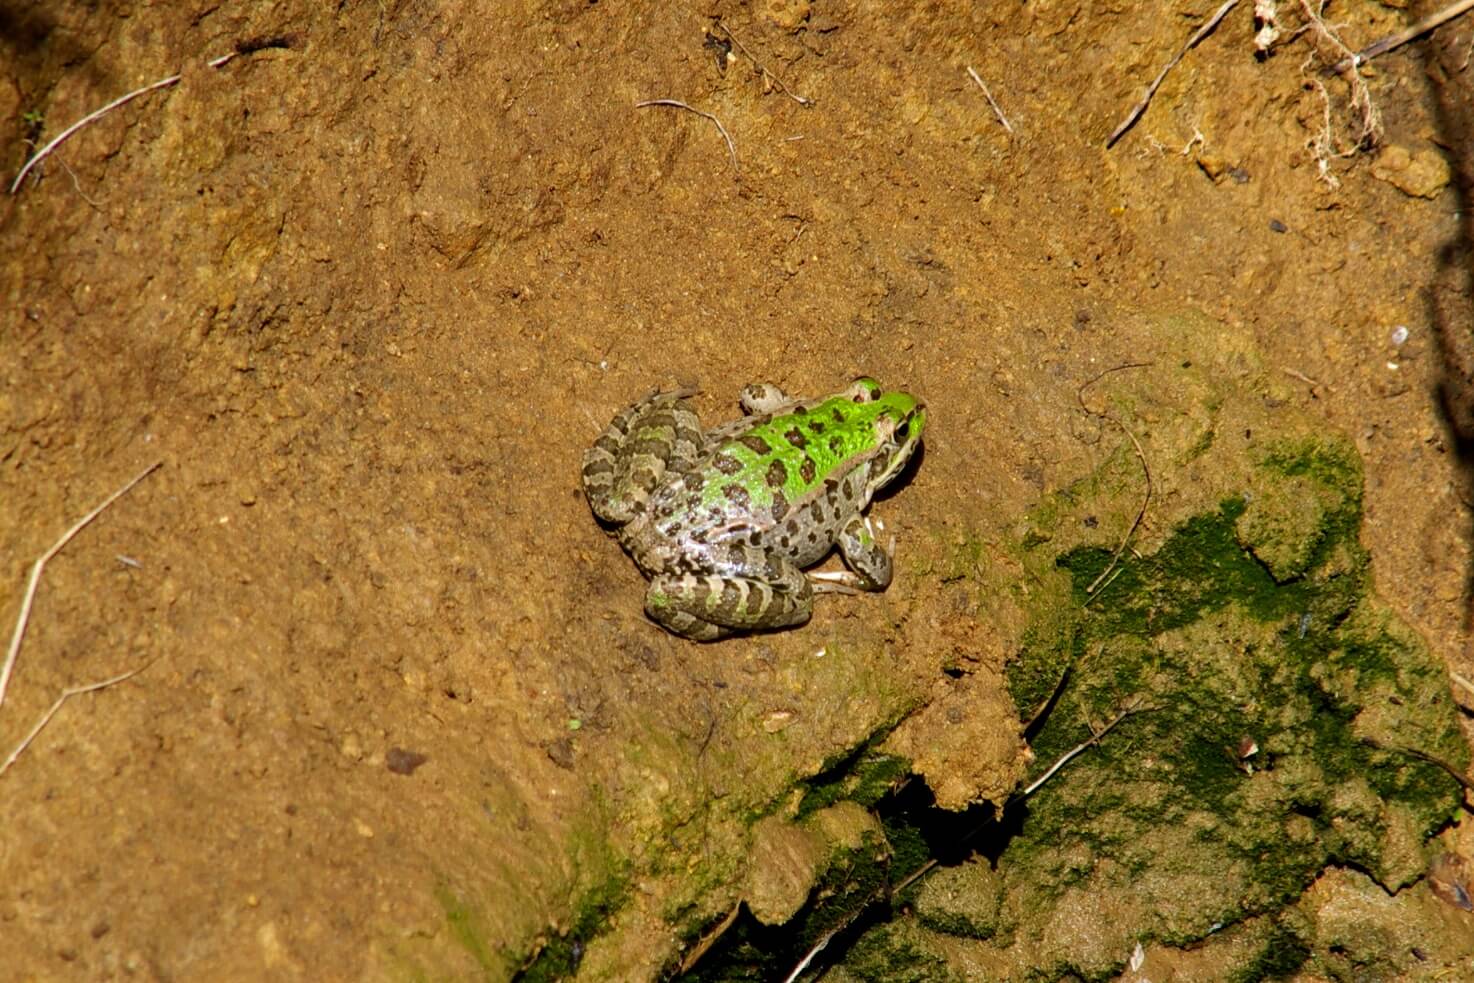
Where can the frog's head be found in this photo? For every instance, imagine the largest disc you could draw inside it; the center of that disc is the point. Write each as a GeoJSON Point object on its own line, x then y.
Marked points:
{"type": "Point", "coordinates": [899, 419]}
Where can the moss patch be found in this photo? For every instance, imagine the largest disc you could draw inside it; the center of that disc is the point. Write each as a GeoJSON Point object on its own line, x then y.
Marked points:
{"type": "Point", "coordinates": [1274, 699]}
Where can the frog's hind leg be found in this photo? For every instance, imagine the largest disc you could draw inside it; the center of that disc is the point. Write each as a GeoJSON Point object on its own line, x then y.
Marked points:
{"type": "Point", "coordinates": [713, 606]}
{"type": "Point", "coordinates": [660, 433]}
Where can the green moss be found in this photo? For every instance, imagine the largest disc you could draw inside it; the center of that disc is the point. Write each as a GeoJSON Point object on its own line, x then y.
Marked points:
{"type": "Point", "coordinates": [894, 953]}
{"type": "Point", "coordinates": [462, 920]}
{"type": "Point", "coordinates": [963, 900]}
{"type": "Point", "coordinates": [864, 776]}
{"type": "Point", "coordinates": [1280, 951]}
{"type": "Point", "coordinates": [559, 957]}
{"type": "Point", "coordinates": [853, 879]}
{"type": "Point", "coordinates": [1271, 691]}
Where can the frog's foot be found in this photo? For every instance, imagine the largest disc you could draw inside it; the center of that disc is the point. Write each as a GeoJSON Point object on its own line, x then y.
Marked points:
{"type": "Point", "coordinates": [709, 607]}
{"type": "Point", "coordinates": [871, 562]}
{"type": "Point", "coordinates": [834, 582]}
{"type": "Point", "coordinates": [658, 434]}
{"type": "Point", "coordinates": [763, 397]}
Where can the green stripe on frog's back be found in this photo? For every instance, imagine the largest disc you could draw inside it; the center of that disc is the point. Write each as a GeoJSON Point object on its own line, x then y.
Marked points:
{"type": "Point", "coordinates": [793, 453]}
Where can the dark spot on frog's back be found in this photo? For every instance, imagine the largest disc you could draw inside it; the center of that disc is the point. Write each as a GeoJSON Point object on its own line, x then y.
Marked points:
{"type": "Point", "coordinates": [780, 505]}
{"type": "Point", "coordinates": [726, 464]}
{"type": "Point", "coordinates": [795, 438]}
{"type": "Point", "coordinates": [695, 481]}
{"type": "Point", "coordinates": [836, 445]}
{"type": "Point", "coordinates": [777, 474]}
{"type": "Point", "coordinates": [754, 443]}
{"type": "Point", "coordinates": [737, 495]}
{"type": "Point", "coordinates": [807, 470]}
{"type": "Point", "coordinates": [838, 415]}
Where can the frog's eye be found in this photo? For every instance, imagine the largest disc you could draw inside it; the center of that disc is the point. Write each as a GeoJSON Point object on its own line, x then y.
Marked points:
{"type": "Point", "coordinates": [904, 430]}
{"type": "Point", "coordinates": [865, 390]}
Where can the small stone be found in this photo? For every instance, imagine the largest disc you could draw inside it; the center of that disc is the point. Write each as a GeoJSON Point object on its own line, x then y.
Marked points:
{"type": "Point", "coordinates": [560, 752]}
{"type": "Point", "coordinates": [788, 14]}
{"type": "Point", "coordinates": [1213, 165]}
{"type": "Point", "coordinates": [1420, 175]}
{"type": "Point", "coordinates": [351, 747]}
{"type": "Point", "coordinates": [403, 762]}
{"type": "Point", "coordinates": [783, 865]}
{"type": "Point", "coordinates": [777, 720]}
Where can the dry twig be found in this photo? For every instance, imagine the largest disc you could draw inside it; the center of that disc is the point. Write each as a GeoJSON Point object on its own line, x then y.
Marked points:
{"type": "Point", "coordinates": [23, 619]}
{"type": "Point", "coordinates": [989, 96]}
{"type": "Point", "coordinates": [66, 694]}
{"type": "Point", "coordinates": [1151, 90]}
{"type": "Point", "coordinates": [710, 939]}
{"type": "Point", "coordinates": [1401, 37]}
{"type": "Point", "coordinates": [241, 48]}
{"type": "Point", "coordinates": [1140, 455]}
{"type": "Point", "coordinates": [40, 565]}
{"type": "Point", "coordinates": [1095, 738]}
{"type": "Point", "coordinates": [762, 69]}
{"type": "Point", "coordinates": [731, 147]}
{"type": "Point", "coordinates": [1462, 681]}
{"type": "Point", "coordinates": [1314, 385]}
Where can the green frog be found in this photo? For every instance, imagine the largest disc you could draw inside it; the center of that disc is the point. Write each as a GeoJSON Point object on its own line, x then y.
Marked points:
{"type": "Point", "coordinates": [724, 521]}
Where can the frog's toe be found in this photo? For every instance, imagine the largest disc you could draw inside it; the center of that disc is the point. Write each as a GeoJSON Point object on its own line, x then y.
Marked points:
{"type": "Point", "coordinates": [834, 582]}
{"type": "Point", "coordinates": [863, 553]}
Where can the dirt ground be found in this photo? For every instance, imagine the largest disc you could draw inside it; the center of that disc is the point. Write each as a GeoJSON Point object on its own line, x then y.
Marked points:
{"type": "Point", "coordinates": [368, 292]}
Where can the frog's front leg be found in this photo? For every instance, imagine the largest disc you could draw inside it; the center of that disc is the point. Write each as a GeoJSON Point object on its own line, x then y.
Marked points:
{"type": "Point", "coordinates": [660, 433]}
{"type": "Point", "coordinates": [756, 594]}
{"type": "Point", "coordinates": [863, 553]}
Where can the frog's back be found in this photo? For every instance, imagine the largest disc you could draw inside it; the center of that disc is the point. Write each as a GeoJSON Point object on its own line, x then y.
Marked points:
{"type": "Point", "coordinates": [784, 482]}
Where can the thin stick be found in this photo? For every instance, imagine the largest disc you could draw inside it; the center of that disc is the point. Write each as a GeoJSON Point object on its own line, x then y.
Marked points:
{"type": "Point", "coordinates": [1401, 37]}
{"type": "Point", "coordinates": [241, 48]}
{"type": "Point", "coordinates": [1312, 383]}
{"type": "Point", "coordinates": [1453, 772]}
{"type": "Point", "coordinates": [817, 948]}
{"type": "Point", "coordinates": [731, 147]}
{"type": "Point", "coordinates": [1078, 749]}
{"type": "Point", "coordinates": [989, 96]}
{"type": "Point", "coordinates": [1151, 90]}
{"type": "Point", "coordinates": [1140, 456]}
{"type": "Point", "coordinates": [801, 100]}
{"type": "Point", "coordinates": [30, 595]}
{"type": "Point", "coordinates": [710, 939]}
{"type": "Point", "coordinates": [98, 114]}
{"type": "Point", "coordinates": [66, 695]}
{"type": "Point", "coordinates": [1462, 681]}
{"type": "Point", "coordinates": [1140, 513]}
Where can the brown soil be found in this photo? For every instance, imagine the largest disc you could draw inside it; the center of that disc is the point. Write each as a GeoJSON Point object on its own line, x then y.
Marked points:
{"type": "Point", "coordinates": [369, 295]}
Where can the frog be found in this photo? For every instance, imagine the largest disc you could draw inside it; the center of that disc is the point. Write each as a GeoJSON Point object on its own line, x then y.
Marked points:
{"type": "Point", "coordinates": [723, 522]}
